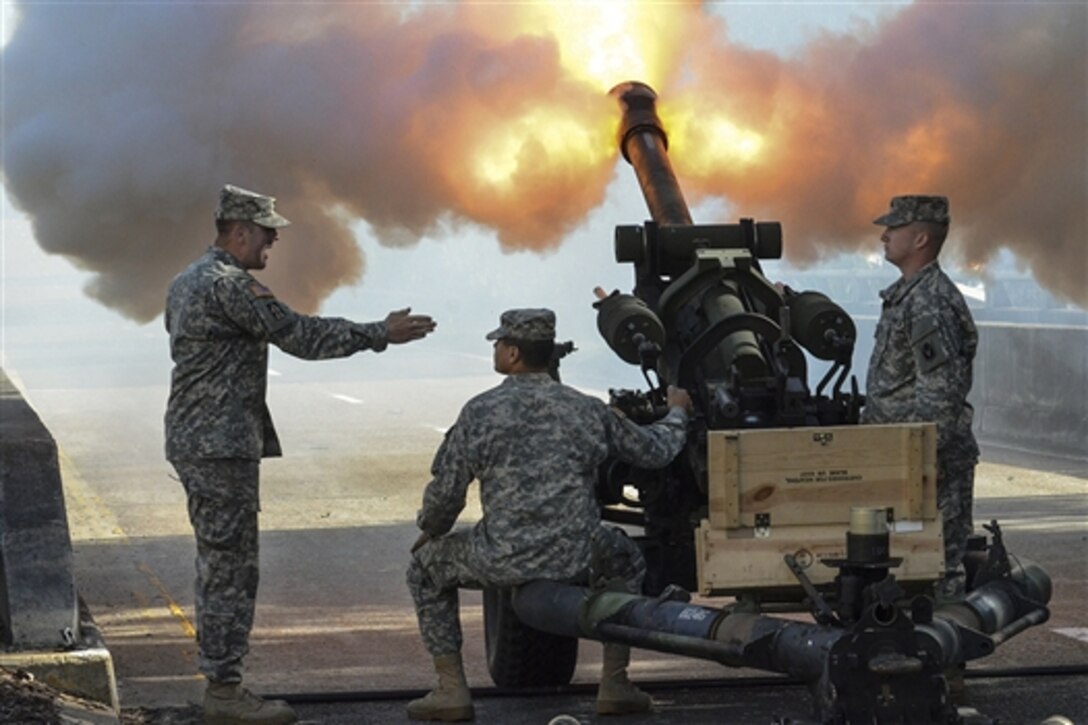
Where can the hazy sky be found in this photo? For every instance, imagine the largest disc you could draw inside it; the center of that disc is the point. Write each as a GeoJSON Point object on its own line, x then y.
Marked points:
{"type": "Point", "coordinates": [118, 167]}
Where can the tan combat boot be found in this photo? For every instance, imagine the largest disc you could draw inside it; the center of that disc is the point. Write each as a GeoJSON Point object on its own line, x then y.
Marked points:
{"type": "Point", "coordinates": [230, 704]}
{"type": "Point", "coordinates": [450, 700]}
{"type": "Point", "coordinates": [616, 695]}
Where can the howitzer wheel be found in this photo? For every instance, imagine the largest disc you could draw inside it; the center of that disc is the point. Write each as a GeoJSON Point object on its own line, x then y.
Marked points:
{"type": "Point", "coordinates": [517, 654]}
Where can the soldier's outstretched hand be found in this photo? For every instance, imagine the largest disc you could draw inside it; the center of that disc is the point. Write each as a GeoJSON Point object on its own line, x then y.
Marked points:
{"type": "Point", "coordinates": [405, 327]}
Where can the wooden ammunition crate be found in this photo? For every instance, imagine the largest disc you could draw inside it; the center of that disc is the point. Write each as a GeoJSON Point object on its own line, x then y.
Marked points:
{"type": "Point", "coordinates": [790, 491]}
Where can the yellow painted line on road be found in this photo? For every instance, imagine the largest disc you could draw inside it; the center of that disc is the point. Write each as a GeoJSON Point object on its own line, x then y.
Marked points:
{"type": "Point", "coordinates": [91, 519]}
{"type": "Point", "coordinates": [174, 607]}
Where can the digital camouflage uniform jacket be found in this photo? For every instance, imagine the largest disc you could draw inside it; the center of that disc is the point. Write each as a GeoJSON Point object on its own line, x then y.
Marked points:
{"type": "Point", "coordinates": [921, 364]}
{"type": "Point", "coordinates": [220, 321]}
{"type": "Point", "coordinates": [534, 445]}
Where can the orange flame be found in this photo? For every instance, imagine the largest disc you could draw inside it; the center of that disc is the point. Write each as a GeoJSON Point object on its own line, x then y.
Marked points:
{"type": "Point", "coordinates": [534, 151]}
{"type": "Point", "coordinates": [598, 43]}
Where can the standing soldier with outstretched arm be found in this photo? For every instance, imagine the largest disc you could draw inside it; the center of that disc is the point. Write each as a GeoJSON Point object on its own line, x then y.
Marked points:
{"type": "Point", "coordinates": [221, 321]}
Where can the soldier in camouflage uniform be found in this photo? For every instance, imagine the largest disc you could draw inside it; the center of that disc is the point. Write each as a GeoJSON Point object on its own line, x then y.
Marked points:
{"type": "Point", "coordinates": [921, 364]}
{"type": "Point", "coordinates": [220, 321]}
{"type": "Point", "coordinates": [534, 446]}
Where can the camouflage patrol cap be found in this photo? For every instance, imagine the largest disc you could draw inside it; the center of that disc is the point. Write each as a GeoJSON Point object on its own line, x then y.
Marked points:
{"type": "Point", "coordinates": [525, 324]}
{"type": "Point", "coordinates": [238, 204]}
{"type": "Point", "coordinates": [914, 208]}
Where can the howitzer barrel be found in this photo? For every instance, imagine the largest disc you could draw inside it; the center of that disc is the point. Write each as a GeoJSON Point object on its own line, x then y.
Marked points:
{"type": "Point", "coordinates": [643, 143]}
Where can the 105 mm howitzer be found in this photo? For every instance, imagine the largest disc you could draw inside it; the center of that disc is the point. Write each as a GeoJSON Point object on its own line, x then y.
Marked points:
{"type": "Point", "coordinates": [780, 499]}
{"type": "Point", "coordinates": [702, 316]}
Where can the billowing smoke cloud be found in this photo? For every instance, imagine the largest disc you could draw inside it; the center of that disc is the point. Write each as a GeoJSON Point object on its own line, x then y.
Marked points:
{"type": "Point", "coordinates": [121, 121]}
{"type": "Point", "coordinates": [984, 103]}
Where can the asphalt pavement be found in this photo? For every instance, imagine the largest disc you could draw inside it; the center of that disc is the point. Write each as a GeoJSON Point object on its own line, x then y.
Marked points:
{"type": "Point", "coordinates": [334, 619]}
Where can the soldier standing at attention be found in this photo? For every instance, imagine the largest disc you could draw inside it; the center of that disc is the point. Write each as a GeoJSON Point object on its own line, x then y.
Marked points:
{"type": "Point", "coordinates": [534, 446]}
{"type": "Point", "coordinates": [921, 364]}
{"type": "Point", "coordinates": [220, 321]}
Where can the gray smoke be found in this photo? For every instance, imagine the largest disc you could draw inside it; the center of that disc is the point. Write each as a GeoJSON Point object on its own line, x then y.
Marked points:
{"type": "Point", "coordinates": [122, 121]}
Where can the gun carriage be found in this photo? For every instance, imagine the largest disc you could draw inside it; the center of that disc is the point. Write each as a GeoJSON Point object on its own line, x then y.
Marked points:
{"type": "Point", "coordinates": [779, 500]}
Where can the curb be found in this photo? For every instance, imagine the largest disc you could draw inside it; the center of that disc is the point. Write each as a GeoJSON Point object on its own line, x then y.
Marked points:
{"type": "Point", "coordinates": [83, 672]}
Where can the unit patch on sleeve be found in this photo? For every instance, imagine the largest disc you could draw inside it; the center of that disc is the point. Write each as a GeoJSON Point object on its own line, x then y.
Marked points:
{"type": "Point", "coordinates": [929, 348]}
{"type": "Point", "coordinates": [274, 314]}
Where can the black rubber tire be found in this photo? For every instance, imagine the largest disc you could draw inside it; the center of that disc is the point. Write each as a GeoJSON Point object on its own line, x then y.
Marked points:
{"type": "Point", "coordinates": [520, 656]}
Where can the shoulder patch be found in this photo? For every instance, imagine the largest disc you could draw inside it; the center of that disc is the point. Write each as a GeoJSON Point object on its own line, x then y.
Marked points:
{"type": "Point", "coordinates": [259, 290]}
{"type": "Point", "coordinates": [274, 314]}
{"type": "Point", "coordinates": [930, 350]}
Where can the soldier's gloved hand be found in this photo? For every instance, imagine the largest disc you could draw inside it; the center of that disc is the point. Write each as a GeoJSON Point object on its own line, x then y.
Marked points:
{"type": "Point", "coordinates": [405, 327]}
{"type": "Point", "coordinates": [678, 397]}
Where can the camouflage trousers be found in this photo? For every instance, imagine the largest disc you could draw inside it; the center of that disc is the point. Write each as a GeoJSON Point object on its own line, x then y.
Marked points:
{"type": "Point", "coordinates": [955, 500]}
{"type": "Point", "coordinates": [227, 570]}
{"type": "Point", "coordinates": [443, 566]}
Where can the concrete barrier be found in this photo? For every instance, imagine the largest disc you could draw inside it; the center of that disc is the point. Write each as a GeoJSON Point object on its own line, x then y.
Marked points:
{"type": "Point", "coordinates": [1030, 389]}
{"type": "Point", "coordinates": [38, 604]}
{"type": "Point", "coordinates": [42, 629]}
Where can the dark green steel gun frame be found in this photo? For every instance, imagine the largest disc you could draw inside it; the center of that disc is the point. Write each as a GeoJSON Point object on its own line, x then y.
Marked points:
{"type": "Point", "coordinates": [704, 317]}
